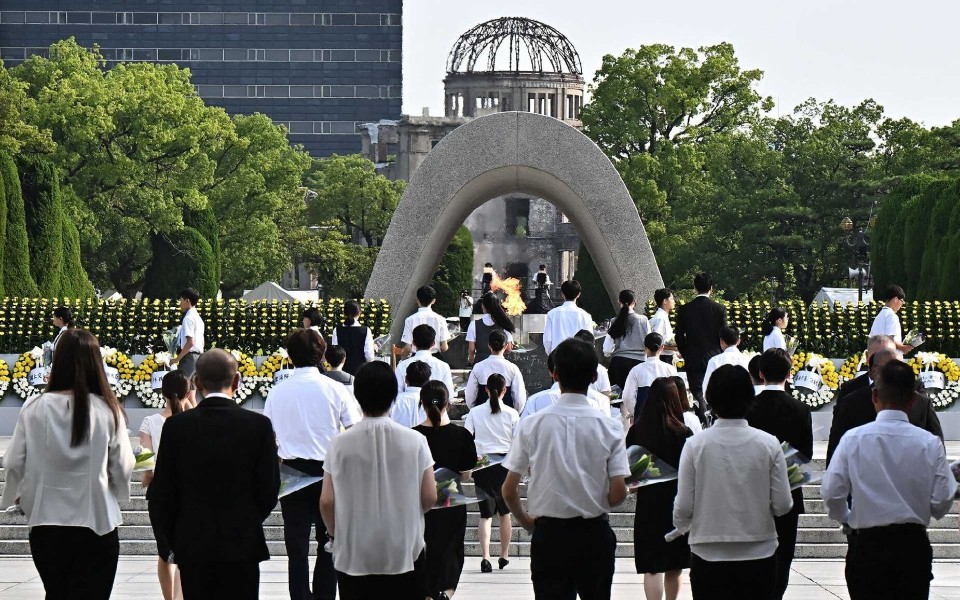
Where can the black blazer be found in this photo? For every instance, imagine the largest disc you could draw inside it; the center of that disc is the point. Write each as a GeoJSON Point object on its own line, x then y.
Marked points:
{"type": "Point", "coordinates": [783, 416]}
{"type": "Point", "coordinates": [849, 387]}
{"type": "Point", "coordinates": [857, 409]}
{"type": "Point", "coordinates": [698, 331]}
{"type": "Point", "coordinates": [215, 483]}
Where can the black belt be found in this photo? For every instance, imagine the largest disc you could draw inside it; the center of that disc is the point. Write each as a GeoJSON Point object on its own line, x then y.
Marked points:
{"type": "Point", "coordinates": [895, 529]}
{"type": "Point", "coordinates": [574, 520]}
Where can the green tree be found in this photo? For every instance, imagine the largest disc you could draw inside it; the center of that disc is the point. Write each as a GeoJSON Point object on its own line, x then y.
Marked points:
{"type": "Point", "coordinates": [594, 299]}
{"type": "Point", "coordinates": [17, 280]}
{"type": "Point", "coordinates": [205, 222]}
{"type": "Point", "coordinates": [76, 284]}
{"type": "Point", "coordinates": [181, 259]}
{"type": "Point", "coordinates": [886, 247]}
{"type": "Point", "coordinates": [16, 134]}
{"type": "Point", "coordinates": [3, 225]}
{"type": "Point", "coordinates": [454, 273]}
{"type": "Point", "coordinates": [44, 220]}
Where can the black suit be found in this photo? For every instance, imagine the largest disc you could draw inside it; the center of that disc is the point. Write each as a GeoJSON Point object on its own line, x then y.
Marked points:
{"type": "Point", "coordinates": [698, 338]}
{"type": "Point", "coordinates": [215, 483]}
{"type": "Point", "coordinates": [849, 387]}
{"type": "Point", "coordinates": [781, 415]}
{"type": "Point", "coordinates": [858, 409]}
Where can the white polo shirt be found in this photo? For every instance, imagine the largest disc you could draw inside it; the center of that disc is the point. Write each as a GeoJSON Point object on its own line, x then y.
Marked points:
{"type": "Point", "coordinates": [492, 433]}
{"type": "Point", "coordinates": [307, 411]}
{"type": "Point", "coordinates": [660, 323]}
{"type": "Point", "coordinates": [192, 327]}
{"type": "Point", "coordinates": [643, 375]}
{"type": "Point", "coordinates": [887, 323]}
{"type": "Point", "coordinates": [572, 451]}
{"type": "Point", "coordinates": [563, 322]}
{"type": "Point", "coordinates": [730, 356]}
{"type": "Point", "coordinates": [425, 316]}
{"type": "Point", "coordinates": [406, 409]}
{"type": "Point", "coordinates": [439, 370]}
{"type": "Point", "coordinates": [488, 321]}
{"type": "Point", "coordinates": [549, 397]}
{"type": "Point", "coordinates": [482, 371]}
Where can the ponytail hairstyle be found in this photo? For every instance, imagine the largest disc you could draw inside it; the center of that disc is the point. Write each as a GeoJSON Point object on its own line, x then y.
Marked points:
{"type": "Point", "coordinates": [491, 305]}
{"type": "Point", "coordinates": [351, 311]}
{"type": "Point", "coordinates": [653, 342]}
{"type": "Point", "coordinates": [174, 389]}
{"type": "Point", "coordinates": [773, 316]}
{"type": "Point", "coordinates": [495, 386]}
{"type": "Point", "coordinates": [66, 315]}
{"type": "Point", "coordinates": [621, 326]}
{"type": "Point", "coordinates": [434, 397]}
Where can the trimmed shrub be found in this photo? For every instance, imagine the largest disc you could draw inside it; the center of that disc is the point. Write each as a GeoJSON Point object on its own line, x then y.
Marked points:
{"type": "Point", "coordinates": [181, 259]}
{"type": "Point", "coordinates": [76, 284]}
{"type": "Point", "coordinates": [205, 222]}
{"type": "Point", "coordinates": [594, 299]}
{"type": "Point", "coordinates": [455, 273]}
{"type": "Point", "coordinates": [17, 280]}
{"type": "Point", "coordinates": [44, 220]}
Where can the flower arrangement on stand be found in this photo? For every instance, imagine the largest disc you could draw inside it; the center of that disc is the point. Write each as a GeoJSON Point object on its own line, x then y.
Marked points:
{"type": "Point", "coordinates": [275, 362]}
{"type": "Point", "coordinates": [248, 376]}
{"type": "Point", "coordinates": [940, 377]}
{"type": "Point", "coordinates": [21, 370]}
{"type": "Point", "coordinates": [125, 370]}
{"type": "Point", "coordinates": [815, 379]}
{"type": "Point", "coordinates": [4, 377]}
{"type": "Point", "coordinates": [852, 366]}
{"type": "Point", "coordinates": [143, 379]}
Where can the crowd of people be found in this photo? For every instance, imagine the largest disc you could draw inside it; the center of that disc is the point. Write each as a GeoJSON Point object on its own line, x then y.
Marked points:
{"type": "Point", "coordinates": [367, 439]}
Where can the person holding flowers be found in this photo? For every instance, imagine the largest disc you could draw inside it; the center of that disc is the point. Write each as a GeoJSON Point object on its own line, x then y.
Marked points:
{"type": "Point", "coordinates": [772, 330]}
{"type": "Point", "coordinates": [642, 376]}
{"type": "Point", "coordinates": [452, 447]}
{"type": "Point", "coordinates": [516, 392]}
{"type": "Point", "coordinates": [190, 336]}
{"type": "Point", "coordinates": [660, 429]}
{"type": "Point", "coordinates": [356, 339]}
{"type": "Point", "coordinates": [179, 397]}
{"type": "Point", "coordinates": [63, 321]}
{"type": "Point", "coordinates": [68, 466]}
{"type": "Point", "coordinates": [887, 322]}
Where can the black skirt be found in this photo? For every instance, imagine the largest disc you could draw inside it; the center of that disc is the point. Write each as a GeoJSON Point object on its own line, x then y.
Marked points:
{"type": "Point", "coordinates": [489, 481]}
{"type": "Point", "coordinates": [653, 520]}
{"type": "Point", "coordinates": [444, 531]}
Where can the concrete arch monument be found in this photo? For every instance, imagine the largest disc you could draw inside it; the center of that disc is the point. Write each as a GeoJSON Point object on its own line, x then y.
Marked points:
{"type": "Point", "coordinates": [504, 153]}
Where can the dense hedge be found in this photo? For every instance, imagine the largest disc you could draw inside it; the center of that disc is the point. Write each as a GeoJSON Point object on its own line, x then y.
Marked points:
{"type": "Point", "coordinates": [181, 259]}
{"type": "Point", "coordinates": [843, 332]}
{"type": "Point", "coordinates": [137, 326]}
{"type": "Point", "coordinates": [44, 218]}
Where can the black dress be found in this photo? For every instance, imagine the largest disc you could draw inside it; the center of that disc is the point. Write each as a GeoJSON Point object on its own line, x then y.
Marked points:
{"type": "Point", "coordinates": [654, 514]}
{"type": "Point", "coordinates": [452, 447]}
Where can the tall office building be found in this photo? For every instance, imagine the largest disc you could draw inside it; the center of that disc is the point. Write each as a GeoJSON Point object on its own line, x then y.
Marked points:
{"type": "Point", "coordinates": [319, 67]}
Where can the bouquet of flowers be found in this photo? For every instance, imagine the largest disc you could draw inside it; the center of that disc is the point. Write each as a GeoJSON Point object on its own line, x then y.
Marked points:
{"type": "Point", "coordinates": [646, 469]}
{"type": "Point", "coordinates": [914, 338]}
{"type": "Point", "coordinates": [450, 490]}
{"type": "Point", "coordinates": [292, 480]}
{"type": "Point", "coordinates": [146, 459]}
{"type": "Point", "coordinates": [793, 344]}
{"type": "Point", "coordinates": [797, 472]}
{"type": "Point", "coordinates": [170, 339]}
{"type": "Point", "coordinates": [487, 460]}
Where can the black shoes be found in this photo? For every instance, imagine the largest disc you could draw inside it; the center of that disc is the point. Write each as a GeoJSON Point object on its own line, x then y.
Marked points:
{"type": "Point", "coordinates": [486, 567]}
{"type": "Point", "coordinates": [443, 596]}
{"type": "Point", "coordinates": [503, 563]}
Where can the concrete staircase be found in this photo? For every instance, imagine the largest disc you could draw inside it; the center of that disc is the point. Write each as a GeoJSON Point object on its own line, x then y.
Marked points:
{"type": "Point", "coordinates": [818, 537]}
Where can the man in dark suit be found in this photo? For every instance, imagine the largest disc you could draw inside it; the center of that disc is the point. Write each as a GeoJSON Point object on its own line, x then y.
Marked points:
{"type": "Point", "coordinates": [781, 415]}
{"type": "Point", "coordinates": [858, 408]}
{"type": "Point", "coordinates": [698, 334]}
{"type": "Point", "coordinates": [875, 344]}
{"type": "Point", "coordinates": [216, 481]}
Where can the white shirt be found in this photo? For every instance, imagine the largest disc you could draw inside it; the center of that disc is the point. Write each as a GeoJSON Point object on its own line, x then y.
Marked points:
{"type": "Point", "coordinates": [192, 327]}
{"type": "Point", "coordinates": [59, 333]}
{"type": "Point", "coordinates": [406, 409]}
{"type": "Point", "coordinates": [563, 322]}
{"type": "Point", "coordinates": [466, 307]}
{"type": "Point", "coordinates": [895, 473]}
{"type": "Point", "coordinates": [572, 452]}
{"type": "Point", "coordinates": [152, 425]}
{"type": "Point", "coordinates": [373, 461]}
{"type": "Point", "coordinates": [367, 343]}
{"type": "Point", "coordinates": [643, 375]}
{"type": "Point", "coordinates": [488, 321]}
{"type": "Point", "coordinates": [774, 339]}
{"type": "Point", "coordinates": [730, 356]}
{"type": "Point", "coordinates": [729, 512]}
{"type": "Point", "coordinates": [660, 323]}
{"type": "Point", "coordinates": [439, 370]}
{"type": "Point", "coordinates": [425, 316]}
{"type": "Point", "coordinates": [60, 485]}
{"type": "Point", "coordinates": [602, 384]}
{"type": "Point", "coordinates": [482, 371]}
{"type": "Point", "coordinates": [308, 410]}
{"type": "Point", "coordinates": [549, 397]}
{"type": "Point", "coordinates": [492, 432]}
{"type": "Point", "coordinates": [692, 422]}
{"type": "Point", "coordinates": [887, 323]}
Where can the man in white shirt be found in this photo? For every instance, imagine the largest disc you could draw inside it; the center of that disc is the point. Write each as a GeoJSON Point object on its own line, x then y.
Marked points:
{"type": "Point", "coordinates": [406, 409]}
{"type": "Point", "coordinates": [887, 322]}
{"type": "Point", "coordinates": [190, 336]}
{"type": "Point", "coordinates": [426, 298]}
{"type": "Point", "coordinates": [476, 391]}
{"type": "Point", "coordinates": [564, 321]}
{"type": "Point", "coordinates": [660, 322]}
{"type": "Point", "coordinates": [602, 384]}
{"type": "Point", "coordinates": [730, 354]}
{"type": "Point", "coordinates": [897, 477]}
{"type": "Point", "coordinates": [577, 463]}
{"type": "Point", "coordinates": [307, 411]}
{"type": "Point", "coordinates": [550, 396]}
{"type": "Point", "coordinates": [424, 337]}
{"type": "Point", "coordinates": [643, 376]}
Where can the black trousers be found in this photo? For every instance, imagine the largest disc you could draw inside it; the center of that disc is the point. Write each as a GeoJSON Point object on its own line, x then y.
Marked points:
{"type": "Point", "coordinates": [733, 580]}
{"type": "Point", "coordinates": [572, 556]}
{"type": "Point", "coordinates": [74, 562]}
{"type": "Point", "coordinates": [889, 563]}
{"type": "Point", "coordinates": [786, 545]}
{"type": "Point", "coordinates": [695, 383]}
{"type": "Point", "coordinates": [301, 513]}
{"type": "Point", "coordinates": [404, 586]}
{"type": "Point", "coordinates": [220, 581]}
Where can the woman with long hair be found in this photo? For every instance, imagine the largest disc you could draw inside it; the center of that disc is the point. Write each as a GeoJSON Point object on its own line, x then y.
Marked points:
{"type": "Point", "coordinates": [690, 418]}
{"type": "Point", "coordinates": [624, 341]}
{"type": "Point", "coordinates": [478, 333]}
{"type": "Point", "coordinates": [452, 448]}
{"type": "Point", "coordinates": [178, 396]}
{"type": "Point", "coordinates": [68, 466]}
{"type": "Point", "coordinates": [354, 338]}
{"type": "Point", "coordinates": [492, 425]}
{"type": "Point", "coordinates": [660, 429]}
{"type": "Point", "coordinates": [63, 321]}
{"type": "Point", "coordinates": [772, 330]}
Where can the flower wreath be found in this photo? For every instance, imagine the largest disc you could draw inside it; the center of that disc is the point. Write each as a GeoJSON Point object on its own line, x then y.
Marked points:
{"type": "Point", "coordinates": [21, 368]}
{"type": "Point", "coordinates": [154, 362]}
{"type": "Point", "coordinates": [941, 363]}
{"type": "Point", "coordinates": [124, 366]}
{"type": "Point", "coordinates": [830, 379]}
{"type": "Point", "coordinates": [850, 367]}
{"type": "Point", "coordinates": [4, 377]}
{"type": "Point", "coordinates": [276, 361]}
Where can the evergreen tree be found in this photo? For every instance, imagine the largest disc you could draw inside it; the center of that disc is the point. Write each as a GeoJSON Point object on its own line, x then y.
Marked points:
{"type": "Point", "coordinates": [937, 242]}
{"type": "Point", "coordinates": [44, 217]}
{"type": "Point", "coordinates": [886, 246]}
{"type": "Point", "coordinates": [181, 259]}
{"type": "Point", "coordinates": [455, 273]}
{"type": "Point", "coordinates": [594, 299]}
{"type": "Point", "coordinates": [917, 222]}
{"type": "Point", "coordinates": [76, 284]}
{"type": "Point", "coordinates": [205, 221]}
{"type": "Point", "coordinates": [17, 280]}
{"type": "Point", "coordinates": [3, 227]}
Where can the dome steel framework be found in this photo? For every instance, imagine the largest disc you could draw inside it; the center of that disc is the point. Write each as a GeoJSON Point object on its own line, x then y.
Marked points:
{"type": "Point", "coordinates": [547, 49]}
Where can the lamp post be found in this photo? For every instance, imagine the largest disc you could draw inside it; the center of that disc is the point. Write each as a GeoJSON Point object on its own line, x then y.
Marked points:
{"type": "Point", "coordinates": [857, 239]}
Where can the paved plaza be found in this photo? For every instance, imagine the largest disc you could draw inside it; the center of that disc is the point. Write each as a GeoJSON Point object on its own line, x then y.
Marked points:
{"type": "Point", "coordinates": [136, 580]}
